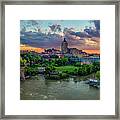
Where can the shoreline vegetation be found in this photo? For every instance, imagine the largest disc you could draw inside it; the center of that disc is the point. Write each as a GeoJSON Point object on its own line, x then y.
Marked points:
{"type": "Point", "coordinates": [55, 68]}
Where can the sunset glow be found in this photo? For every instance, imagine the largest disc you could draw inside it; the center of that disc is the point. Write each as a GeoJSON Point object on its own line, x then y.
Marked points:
{"type": "Point", "coordinates": [29, 48]}
{"type": "Point", "coordinates": [92, 51]}
{"type": "Point", "coordinates": [39, 50]}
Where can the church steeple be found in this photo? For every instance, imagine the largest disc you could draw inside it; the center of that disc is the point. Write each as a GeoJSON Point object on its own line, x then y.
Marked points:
{"type": "Point", "coordinates": [64, 46]}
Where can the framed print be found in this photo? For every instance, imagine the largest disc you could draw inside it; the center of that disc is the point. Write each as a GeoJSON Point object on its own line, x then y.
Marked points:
{"type": "Point", "coordinates": [59, 59]}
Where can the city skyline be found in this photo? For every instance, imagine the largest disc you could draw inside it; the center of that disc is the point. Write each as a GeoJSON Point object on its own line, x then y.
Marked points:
{"type": "Point", "coordinates": [45, 34]}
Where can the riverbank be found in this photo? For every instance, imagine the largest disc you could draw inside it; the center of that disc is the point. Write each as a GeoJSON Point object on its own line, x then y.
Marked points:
{"type": "Point", "coordinates": [39, 88]}
{"type": "Point", "coordinates": [65, 76]}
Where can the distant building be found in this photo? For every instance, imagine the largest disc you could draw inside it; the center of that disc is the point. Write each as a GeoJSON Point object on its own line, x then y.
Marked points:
{"type": "Point", "coordinates": [64, 46]}
{"type": "Point", "coordinates": [71, 51]}
{"type": "Point", "coordinates": [84, 60]}
{"type": "Point", "coordinates": [52, 51]}
{"type": "Point", "coordinates": [74, 51]}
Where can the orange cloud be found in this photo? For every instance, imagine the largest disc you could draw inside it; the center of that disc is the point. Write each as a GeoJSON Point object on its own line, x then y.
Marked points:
{"type": "Point", "coordinates": [92, 51]}
{"type": "Point", "coordinates": [29, 48]}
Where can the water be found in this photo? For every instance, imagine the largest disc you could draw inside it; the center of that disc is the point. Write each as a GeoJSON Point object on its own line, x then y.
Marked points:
{"type": "Point", "coordinates": [73, 88]}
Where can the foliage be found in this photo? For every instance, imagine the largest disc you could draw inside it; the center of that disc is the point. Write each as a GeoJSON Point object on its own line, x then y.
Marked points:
{"type": "Point", "coordinates": [49, 70]}
{"type": "Point", "coordinates": [61, 61]}
{"type": "Point", "coordinates": [88, 69]}
{"type": "Point", "coordinates": [63, 75]}
{"type": "Point", "coordinates": [96, 66]}
{"type": "Point", "coordinates": [31, 71]}
{"type": "Point", "coordinates": [77, 64]}
{"type": "Point", "coordinates": [22, 61]}
{"type": "Point", "coordinates": [97, 75]}
{"type": "Point", "coordinates": [62, 66]}
{"type": "Point", "coordinates": [31, 58]}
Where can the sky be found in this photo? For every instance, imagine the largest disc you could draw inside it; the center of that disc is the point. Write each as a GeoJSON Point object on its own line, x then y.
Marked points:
{"type": "Point", "coordinates": [80, 34]}
{"type": "Point", "coordinates": [33, 25]}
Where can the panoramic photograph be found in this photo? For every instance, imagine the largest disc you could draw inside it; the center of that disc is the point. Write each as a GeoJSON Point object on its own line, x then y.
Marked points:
{"type": "Point", "coordinates": [59, 59]}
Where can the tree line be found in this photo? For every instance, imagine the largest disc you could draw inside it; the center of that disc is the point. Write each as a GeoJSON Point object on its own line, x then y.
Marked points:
{"type": "Point", "coordinates": [31, 62]}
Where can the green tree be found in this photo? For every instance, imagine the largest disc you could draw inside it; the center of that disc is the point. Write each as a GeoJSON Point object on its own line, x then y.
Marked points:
{"type": "Point", "coordinates": [97, 75]}
{"type": "Point", "coordinates": [31, 70]}
{"type": "Point", "coordinates": [77, 64]}
{"type": "Point", "coordinates": [49, 70]}
{"type": "Point", "coordinates": [22, 61]}
{"type": "Point", "coordinates": [96, 66]}
{"type": "Point", "coordinates": [31, 58]}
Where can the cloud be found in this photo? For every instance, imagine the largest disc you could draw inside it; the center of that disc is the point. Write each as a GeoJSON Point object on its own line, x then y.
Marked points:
{"type": "Point", "coordinates": [82, 40]}
{"type": "Point", "coordinates": [70, 32]}
{"type": "Point", "coordinates": [55, 28]}
{"type": "Point", "coordinates": [30, 25]}
{"type": "Point", "coordinates": [97, 24]}
{"type": "Point", "coordinates": [41, 40]}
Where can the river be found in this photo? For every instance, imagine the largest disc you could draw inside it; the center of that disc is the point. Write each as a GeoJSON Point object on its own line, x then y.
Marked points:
{"type": "Point", "coordinates": [73, 88]}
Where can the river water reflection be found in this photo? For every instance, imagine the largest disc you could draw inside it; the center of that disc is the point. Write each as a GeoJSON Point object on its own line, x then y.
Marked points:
{"type": "Point", "coordinates": [73, 88]}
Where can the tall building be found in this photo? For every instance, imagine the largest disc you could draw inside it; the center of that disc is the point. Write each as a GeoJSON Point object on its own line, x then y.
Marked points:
{"type": "Point", "coordinates": [64, 46]}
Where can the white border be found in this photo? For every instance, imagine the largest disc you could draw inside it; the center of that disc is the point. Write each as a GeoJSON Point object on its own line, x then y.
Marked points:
{"type": "Point", "coordinates": [13, 104]}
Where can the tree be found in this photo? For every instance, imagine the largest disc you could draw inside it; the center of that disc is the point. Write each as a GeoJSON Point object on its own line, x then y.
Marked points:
{"type": "Point", "coordinates": [31, 70]}
{"type": "Point", "coordinates": [49, 70]}
{"type": "Point", "coordinates": [85, 69]}
{"type": "Point", "coordinates": [31, 58]}
{"type": "Point", "coordinates": [96, 67]}
{"type": "Point", "coordinates": [78, 64]}
{"type": "Point", "coordinates": [97, 75]}
{"type": "Point", "coordinates": [22, 61]}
